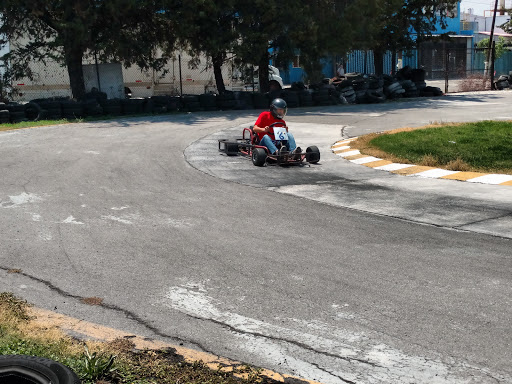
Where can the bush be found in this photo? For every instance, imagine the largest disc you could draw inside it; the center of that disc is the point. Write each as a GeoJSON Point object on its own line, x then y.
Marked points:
{"type": "Point", "coordinates": [475, 82]}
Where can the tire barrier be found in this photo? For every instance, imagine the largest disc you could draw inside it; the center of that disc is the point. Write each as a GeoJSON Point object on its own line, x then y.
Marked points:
{"type": "Point", "coordinates": [352, 88]}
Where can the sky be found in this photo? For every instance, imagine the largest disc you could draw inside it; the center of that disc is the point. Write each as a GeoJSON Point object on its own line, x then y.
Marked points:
{"type": "Point", "coordinates": [479, 6]}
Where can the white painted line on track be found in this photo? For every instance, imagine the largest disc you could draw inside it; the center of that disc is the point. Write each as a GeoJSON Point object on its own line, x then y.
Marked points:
{"type": "Point", "coordinates": [394, 167]}
{"type": "Point", "coordinates": [364, 160]}
{"type": "Point", "coordinates": [349, 153]}
{"type": "Point", "coordinates": [491, 179]}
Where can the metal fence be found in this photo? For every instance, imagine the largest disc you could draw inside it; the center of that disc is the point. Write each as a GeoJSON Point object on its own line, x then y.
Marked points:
{"type": "Point", "coordinates": [182, 75]}
{"type": "Point", "coordinates": [451, 67]}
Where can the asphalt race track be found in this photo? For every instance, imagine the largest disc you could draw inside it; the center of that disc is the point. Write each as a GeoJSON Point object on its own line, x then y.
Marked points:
{"type": "Point", "coordinates": [336, 272]}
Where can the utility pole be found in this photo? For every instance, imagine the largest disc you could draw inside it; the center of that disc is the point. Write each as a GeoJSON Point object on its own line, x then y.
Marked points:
{"type": "Point", "coordinates": [491, 38]}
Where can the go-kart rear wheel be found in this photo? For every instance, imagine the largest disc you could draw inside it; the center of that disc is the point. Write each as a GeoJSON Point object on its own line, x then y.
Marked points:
{"type": "Point", "coordinates": [312, 154]}
{"type": "Point", "coordinates": [259, 156]}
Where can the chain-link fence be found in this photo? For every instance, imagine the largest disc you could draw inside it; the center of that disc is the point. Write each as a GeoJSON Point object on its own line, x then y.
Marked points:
{"type": "Point", "coordinates": [452, 67]}
{"type": "Point", "coordinates": [181, 76]}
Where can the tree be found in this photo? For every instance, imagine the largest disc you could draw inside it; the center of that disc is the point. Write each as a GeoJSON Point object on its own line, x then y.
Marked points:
{"type": "Point", "coordinates": [128, 31]}
{"type": "Point", "coordinates": [271, 28]}
{"type": "Point", "coordinates": [392, 25]}
{"type": "Point", "coordinates": [334, 32]}
{"type": "Point", "coordinates": [500, 46]}
{"type": "Point", "coordinates": [209, 28]}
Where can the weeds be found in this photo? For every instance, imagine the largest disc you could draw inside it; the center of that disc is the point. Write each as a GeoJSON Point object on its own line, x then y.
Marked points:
{"type": "Point", "coordinates": [97, 366]}
{"type": "Point", "coordinates": [475, 82]}
{"type": "Point", "coordinates": [114, 362]}
{"type": "Point", "coordinates": [429, 160]}
{"type": "Point", "coordinates": [458, 165]}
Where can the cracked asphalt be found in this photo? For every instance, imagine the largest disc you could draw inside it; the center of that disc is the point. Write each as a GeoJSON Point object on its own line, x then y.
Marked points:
{"type": "Point", "coordinates": [336, 273]}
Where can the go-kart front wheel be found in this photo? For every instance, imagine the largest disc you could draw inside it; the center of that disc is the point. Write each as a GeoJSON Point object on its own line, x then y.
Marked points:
{"type": "Point", "coordinates": [312, 154]}
{"type": "Point", "coordinates": [259, 156]}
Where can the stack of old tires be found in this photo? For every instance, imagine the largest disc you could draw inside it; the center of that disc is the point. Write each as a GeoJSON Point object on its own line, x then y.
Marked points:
{"type": "Point", "coordinates": [132, 106]}
{"type": "Point", "coordinates": [191, 103]}
{"type": "Point", "coordinates": [418, 77]}
{"type": "Point", "coordinates": [72, 109]}
{"type": "Point", "coordinates": [431, 91]}
{"type": "Point", "coordinates": [392, 87]}
{"type": "Point", "coordinates": [360, 86]}
{"type": "Point", "coordinates": [111, 107]}
{"type": "Point", "coordinates": [410, 88]}
{"type": "Point", "coordinates": [304, 95]}
{"type": "Point", "coordinates": [305, 98]}
{"type": "Point", "coordinates": [260, 100]}
{"type": "Point", "coordinates": [208, 101]}
{"type": "Point", "coordinates": [16, 112]}
{"type": "Point", "coordinates": [375, 92]}
{"type": "Point", "coordinates": [503, 82]}
{"type": "Point", "coordinates": [158, 104]}
{"type": "Point", "coordinates": [226, 100]}
{"type": "Point", "coordinates": [4, 114]}
{"type": "Point", "coordinates": [321, 96]}
{"type": "Point", "coordinates": [291, 98]}
{"type": "Point", "coordinates": [347, 91]}
{"type": "Point", "coordinates": [243, 100]}
{"type": "Point", "coordinates": [50, 109]}
{"type": "Point", "coordinates": [92, 107]}
{"type": "Point", "coordinates": [163, 104]}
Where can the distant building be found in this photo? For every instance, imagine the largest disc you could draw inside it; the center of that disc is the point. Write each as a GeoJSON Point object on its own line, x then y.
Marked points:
{"type": "Point", "coordinates": [480, 26]}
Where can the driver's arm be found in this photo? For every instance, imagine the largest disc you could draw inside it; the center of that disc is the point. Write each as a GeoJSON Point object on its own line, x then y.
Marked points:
{"type": "Point", "coordinates": [261, 129]}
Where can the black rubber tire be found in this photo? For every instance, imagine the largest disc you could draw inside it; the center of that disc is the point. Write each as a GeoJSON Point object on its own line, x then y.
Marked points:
{"type": "Point", "coordinates": [259, 157]}
{"type": "Point", "coordinates": [15, 108]}
{"type": "Point", "coordinates": [17, 117]}
{"type": "Point", "coordinates": [312, 154]}
{"type": "Point", "coordinates": [4, 117]}
{"type": "Point", "coordinates": [260, 100]}
{"type": "Point", "coordinates": [227, 104]}
{"type": "Point", "coordinates": [33, 111]}
{"type": "Point", "coordinates": [207, 100]}
{"type": "Point", "coordinates": [22, 369]}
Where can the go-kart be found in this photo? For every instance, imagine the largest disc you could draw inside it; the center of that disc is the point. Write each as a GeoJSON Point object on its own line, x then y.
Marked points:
{"type": "Point", "coordinates": [249, 146]}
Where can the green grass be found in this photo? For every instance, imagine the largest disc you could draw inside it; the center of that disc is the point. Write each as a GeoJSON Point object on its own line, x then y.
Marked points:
{"type": "Point", "coordinates": [485, 146]}
{"type": "Point", "coordinates": [113, 362]}
{"type": "Point", "coordinates": [41, 123]}
{"type": "Point", "coordinates": [30, 124]}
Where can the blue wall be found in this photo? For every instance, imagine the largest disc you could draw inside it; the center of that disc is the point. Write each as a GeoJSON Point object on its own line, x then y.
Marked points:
{"type": "Point", "coordinates": [357, 61]}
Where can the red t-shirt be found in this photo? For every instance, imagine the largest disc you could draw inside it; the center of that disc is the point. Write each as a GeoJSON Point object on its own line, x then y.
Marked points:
{"type": "Point", "coordinates": [264, 120]}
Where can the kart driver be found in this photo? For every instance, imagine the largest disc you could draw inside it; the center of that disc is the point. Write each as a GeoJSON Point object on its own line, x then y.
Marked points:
{"type": "Point", "coordinates": [265, 133]}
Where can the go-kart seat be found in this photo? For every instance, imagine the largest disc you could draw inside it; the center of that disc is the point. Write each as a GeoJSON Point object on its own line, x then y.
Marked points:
{"type": "Point", "coordinates": [255, 137]}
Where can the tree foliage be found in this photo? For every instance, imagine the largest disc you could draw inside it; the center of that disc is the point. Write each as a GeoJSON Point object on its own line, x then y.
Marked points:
{"type": "Point", "coordinates": [500, 46]}
{"type": "Point", "coordinates": [145, 32]}
{"type": "Point", "coordinates": [128, 31]}
{"type": "Point", "coordinates": [393, 25]}
{"type": "Point", "coordinates": [208, 28]}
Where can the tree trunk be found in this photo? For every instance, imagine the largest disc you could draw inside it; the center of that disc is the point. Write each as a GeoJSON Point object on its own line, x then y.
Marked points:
{"type": "Point", "coordinates": [217, 71]}
{"type": "Point", "coordinates": [378, 57]}
{"type": "Point", "coordinates": [73, 58]}
{"type": "Point", "coordinates": [263, 73]}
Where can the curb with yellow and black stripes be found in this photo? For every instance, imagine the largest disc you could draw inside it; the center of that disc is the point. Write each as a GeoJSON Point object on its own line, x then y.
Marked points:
{"type": "Point", "coordinates": [343, 149]}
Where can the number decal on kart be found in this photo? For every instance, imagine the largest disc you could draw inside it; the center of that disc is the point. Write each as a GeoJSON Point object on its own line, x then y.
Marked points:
{"type": "Point", "coordinates": [280, 133]}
